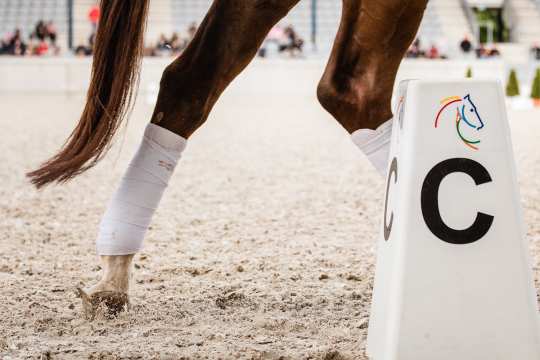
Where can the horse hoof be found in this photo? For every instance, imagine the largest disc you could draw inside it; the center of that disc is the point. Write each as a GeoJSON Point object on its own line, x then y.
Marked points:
{"type": "Point", "coordinates": [106, 303]}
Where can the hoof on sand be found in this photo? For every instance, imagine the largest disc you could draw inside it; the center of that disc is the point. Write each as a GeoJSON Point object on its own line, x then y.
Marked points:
{"type": "Point", "coordinates": [103, 303]}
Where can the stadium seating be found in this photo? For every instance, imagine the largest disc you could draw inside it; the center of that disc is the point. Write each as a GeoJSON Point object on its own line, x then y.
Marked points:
{"type": "Point", "coordinates": [159, 20]}
{"type": "Point", "coordinates": [185, 12]}
{"type": "Point", "coordinates": [24, 15]}
{"type": "Point", "coordinates": [445, 22]}
{"type": "Point", "coordinates": [525, 21]}
{"type": "Point", "coordinates": [81, 26]}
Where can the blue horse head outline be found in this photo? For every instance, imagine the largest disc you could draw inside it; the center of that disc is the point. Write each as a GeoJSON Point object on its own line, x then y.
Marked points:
{"type": "Point", "coordinates": [469, 113]}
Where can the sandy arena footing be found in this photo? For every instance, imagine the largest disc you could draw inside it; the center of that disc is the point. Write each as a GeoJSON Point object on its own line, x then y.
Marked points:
{"type": "Point", "coordinates": [263, 247]}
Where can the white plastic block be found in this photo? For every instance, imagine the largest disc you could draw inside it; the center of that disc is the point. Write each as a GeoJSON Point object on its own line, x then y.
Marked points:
{"type": "Point", "coordinates": [454, 277]}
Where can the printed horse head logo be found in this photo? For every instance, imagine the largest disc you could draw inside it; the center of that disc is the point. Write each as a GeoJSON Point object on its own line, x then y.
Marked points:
{"type": "Point", "coordinates": [466, 112]}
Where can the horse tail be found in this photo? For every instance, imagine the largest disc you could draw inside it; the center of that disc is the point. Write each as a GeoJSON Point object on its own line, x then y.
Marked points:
{"type": "Point", "coordinates": [116, 65]}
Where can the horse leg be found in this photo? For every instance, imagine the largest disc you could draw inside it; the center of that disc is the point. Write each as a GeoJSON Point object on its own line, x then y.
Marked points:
{"type": "Point", "coordinates": [225, 43]}
{"type": "Point", "coordinates": [356, 87]}
{"type": "Point", "coordinates": [372, 39]}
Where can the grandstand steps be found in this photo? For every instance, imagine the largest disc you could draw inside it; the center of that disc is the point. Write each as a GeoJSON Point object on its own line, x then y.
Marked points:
{"type": "Point", "coordinates": [445, 22]}
{"type": "Point", "coordinates": [525, 15]}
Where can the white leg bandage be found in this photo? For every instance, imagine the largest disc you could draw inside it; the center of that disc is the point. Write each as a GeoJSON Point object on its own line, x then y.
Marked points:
{"type": "Point", "coordinates": [375, 144]}
{"type": "Point", "coordinates": [128, 216]}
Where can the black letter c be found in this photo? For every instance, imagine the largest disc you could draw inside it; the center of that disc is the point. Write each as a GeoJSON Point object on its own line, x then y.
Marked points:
{"type": "Point", "coordinates": [430, 201]}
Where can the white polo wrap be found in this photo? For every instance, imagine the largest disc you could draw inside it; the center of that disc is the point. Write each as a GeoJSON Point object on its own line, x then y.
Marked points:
{"type": "Point", "coordinates": [130, 211]}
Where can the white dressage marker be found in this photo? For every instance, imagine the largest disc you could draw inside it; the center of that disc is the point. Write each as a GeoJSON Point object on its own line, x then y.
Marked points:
{"type": "Point", "coordinates": [454, 278]}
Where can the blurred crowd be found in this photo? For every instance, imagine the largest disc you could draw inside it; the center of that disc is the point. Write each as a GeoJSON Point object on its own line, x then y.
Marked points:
{"type": "Point", "coordinates": [285, 40]}
{"type": "Point", "coordinates": [173, 45]}
{"type": "Point", "coordinates": [416, 51]}
{"type": "Point", "coordinates": [42, 41]}
{"type": "Point", "coordinates": [481, 51]}
{"type": "Point", "coordinates": [466, 46]}
{"type": "Point", "coordinates": [280, 40]}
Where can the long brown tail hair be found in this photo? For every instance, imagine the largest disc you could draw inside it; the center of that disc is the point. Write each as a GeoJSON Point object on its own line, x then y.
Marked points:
{"type": "Point", "coordinates": [118, 52]}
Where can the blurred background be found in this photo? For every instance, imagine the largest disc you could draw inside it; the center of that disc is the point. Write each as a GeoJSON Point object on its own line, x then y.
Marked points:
{"type": "Point", "coordinates": [477, 38]}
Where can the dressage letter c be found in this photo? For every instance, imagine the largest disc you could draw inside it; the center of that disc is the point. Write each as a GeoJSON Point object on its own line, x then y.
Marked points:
{"type": "Point", "coordinates": [430, 201]}
{"type": "Point", "coordinates": [388, 227]}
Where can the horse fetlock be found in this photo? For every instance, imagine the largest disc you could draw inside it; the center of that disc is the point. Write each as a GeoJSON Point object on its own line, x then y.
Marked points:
{"type": "Point", "coordinates": [116, 272]}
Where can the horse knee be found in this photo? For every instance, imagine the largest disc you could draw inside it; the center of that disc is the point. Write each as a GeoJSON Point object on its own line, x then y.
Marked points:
{"type": "Point", "coordinates": [354, 103]}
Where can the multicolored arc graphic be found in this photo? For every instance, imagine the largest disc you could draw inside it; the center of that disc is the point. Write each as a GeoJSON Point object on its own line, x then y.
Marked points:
{"type": "Point", "coordinates": [462, 104]}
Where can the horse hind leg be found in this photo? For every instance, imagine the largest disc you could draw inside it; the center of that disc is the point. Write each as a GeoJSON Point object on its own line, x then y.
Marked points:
{"type": "Point", "coordinates": [227, 40]}
{"type": "Point", "coordinates": [225, 43]}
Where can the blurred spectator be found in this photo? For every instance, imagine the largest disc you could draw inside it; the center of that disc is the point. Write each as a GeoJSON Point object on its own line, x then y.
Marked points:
{"type": "Point", "coordinates": [416, 52]}
{"type": "Point", "coordinates": [165, 47]}
{"type": "Point", "coordinates": [51, 32]}
{"type": "Point", "coordinates": [535, 50]}
{"type": "Point", "coordinates": [433, 52]}
{"type": "Point", "coordinates": [14, 44]}
{"type": "Point", "coordinates": [44, 32]}
{"type": "Point", "coordinates": [276, 36]}
{"type": "Point", "coordinates": [494, 52]}
{"type": "Point", "coordinates": [86, 50]}
{"type": "Point", "coordinates": [41, 31]}
{"type": "Point", "coordinates": [81, 51]}
{"type": "Point", "coordinates": [294, 44]}
{"type": "Point", "coordinates": [163, 43]}
{"type": "Point", "coordinates": [465, 45]}
{"type": "Point", "coordinates": [485, 53]}
{"type": "Point", "coordinates": [93, 15]}
{"type": "Point", "coordinates": [481, 52]}
{"type": "Point", "coordinates": [41, 49]}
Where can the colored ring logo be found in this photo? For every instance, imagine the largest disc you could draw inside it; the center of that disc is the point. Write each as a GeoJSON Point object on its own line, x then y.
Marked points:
{"type": "Point", "coordinates": [466, 112]}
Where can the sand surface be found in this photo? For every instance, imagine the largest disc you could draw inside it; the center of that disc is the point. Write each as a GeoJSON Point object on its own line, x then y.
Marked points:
{"type": "Point", "coordinates": [263, 247]}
